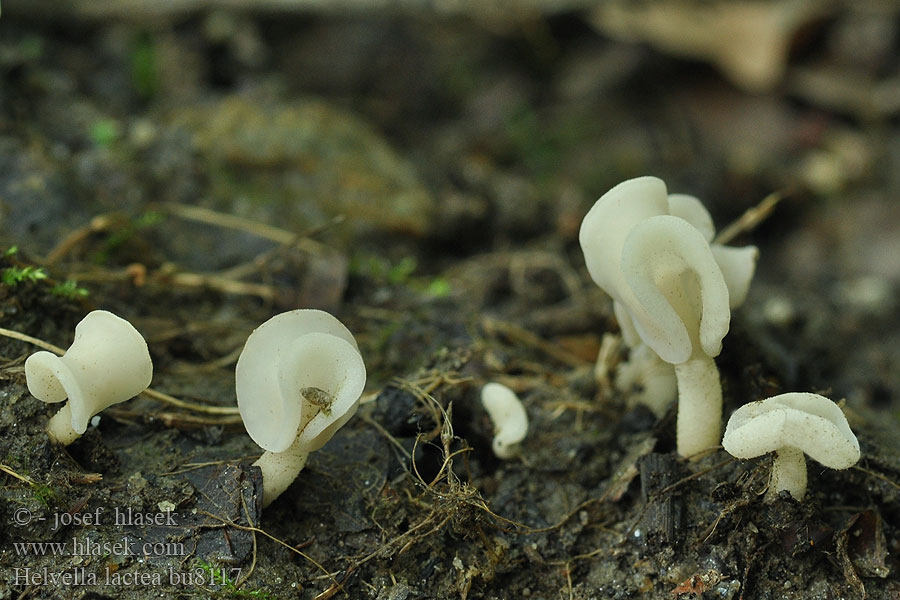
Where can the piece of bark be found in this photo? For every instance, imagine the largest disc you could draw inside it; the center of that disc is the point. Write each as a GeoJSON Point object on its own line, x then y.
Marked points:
{"type": "Point", "coordinates": [662, 520]}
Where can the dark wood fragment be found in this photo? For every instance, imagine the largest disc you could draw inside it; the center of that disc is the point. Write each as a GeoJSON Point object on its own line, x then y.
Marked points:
{"type": "Point", "coordinates": [663, 514]}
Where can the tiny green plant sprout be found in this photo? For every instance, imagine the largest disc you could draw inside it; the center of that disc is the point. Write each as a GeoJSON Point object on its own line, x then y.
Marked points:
{"type": "Point", "coordinates": [672, 290]}
{"type": "Point", "coordinates": [13, 276]}
{"type": "Point", "coordinates": [790, 425]}
{"type": "Point", "coordinates": [107, 363]}
{"type": "Point", "coordinates": [299, 379]}
{"type": "Point", "coordinates": [69, 289]}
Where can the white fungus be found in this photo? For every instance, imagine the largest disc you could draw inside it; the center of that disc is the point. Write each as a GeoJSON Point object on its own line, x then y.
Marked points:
{"type": "Point", "coordinates": [672, 291]}
{"type": "Point", "coordinates": [508, 416]}
{"type": "Point", "coordinates": [299, 379]}
{"type": "Point", "coordinates": [648, 379]}
{"type": "Point", "coordinates": [107, 363]}
{"type": "Point", "coordinates": [790, 425]}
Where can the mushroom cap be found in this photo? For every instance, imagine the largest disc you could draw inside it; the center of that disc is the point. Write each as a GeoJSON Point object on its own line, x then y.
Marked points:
{"type": "Point", "coordinates": [300, 375]}
{"type": "Point", "coordinates": [738, 266]}
{"type": "Point", "coordinates": [692, 210]}
{"type": "Point", "coordinates": [107, 363]}
{"type": "Point", "coordinates": [809, 422]}
{"type": "Point", "coordinates": [610, 220]}
{"type": "Point", "coordinates": [673, 311]}
{"type": "Point", "coordinates": [508, 416]}
{"type": "Point", "coordinates": [651, 252]}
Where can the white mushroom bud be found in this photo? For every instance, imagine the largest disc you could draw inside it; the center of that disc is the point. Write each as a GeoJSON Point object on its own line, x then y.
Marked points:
{"type": "Point", "coordinates": [790, 425]}
{"type": "Point", "coordinates": [107, 363]}
{"type": "Point", "coordinates": [508, 416]}
{"type": "Point", "coordinates": [299, 379]}
{"type": "Point", "coordinates": [671, 290]}
{"type": "Point", "coordinates": [648, 379]}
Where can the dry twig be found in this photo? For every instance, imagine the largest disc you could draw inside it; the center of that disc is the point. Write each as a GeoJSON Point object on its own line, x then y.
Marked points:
{"type": "Point", "coordinates": [23, 478]}
{"type": "Point", "coordinates": [255, 529]}
{"type": "Point", "coordinates": [15, 335]}
{"type": "Point", "coordinates": [97, 224]}
{"type": "Point", "coordinates": [212, 217]}
{"type": "Point", "coordinates": [752, 217]}
{"type": "Point", "coordinates": [520, 335]}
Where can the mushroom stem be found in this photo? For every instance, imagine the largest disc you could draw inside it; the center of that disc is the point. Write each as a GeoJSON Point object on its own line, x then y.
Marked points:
{"type": "Point", "coordinates": [699, 424]}
{"type": "Point", "coordinates": [59, 427]}
{"type": "Point", "coordinates": [788, 473]}
{"type": "Point", "coordinates": [279, 469]}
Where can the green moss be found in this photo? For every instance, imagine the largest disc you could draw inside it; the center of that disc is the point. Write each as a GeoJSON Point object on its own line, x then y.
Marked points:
{"type": "Point", "coordinates": [31, 48]}
{"type": "Point", "coordinates": [382, 270]}
{"type": "Point", "coordinates": [44, 494]}
{"type": "Point", "coordinates": [120, 235]}
{"type": "Point", "coordinates": [13, 276]}
{"type": "Point", "coordinates": [532, 142]}
{"type": "Point", "coordinates": [144, 72]}
{"type": "Point", "coordinates": [400, 273]}
{"type": "Point", "coordinates": [69, 289]}
{"type": "Point", "coordinates": [149, 218]}
{"type": "Point", "coordinates": [105, 132]}
{"type": "Point", "coordinates": [438, 287]}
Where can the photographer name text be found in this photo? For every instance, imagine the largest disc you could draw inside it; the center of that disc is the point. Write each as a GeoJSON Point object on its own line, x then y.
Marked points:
{"type": "Point", "coordinates": [125, 518]}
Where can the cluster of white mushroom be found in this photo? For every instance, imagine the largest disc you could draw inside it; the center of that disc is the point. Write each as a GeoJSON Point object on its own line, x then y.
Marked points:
{"type": "Point", "coordinates": [300, 375]}
{"type": "Point", "coordinates": [673, 290]}
{"type": "Point", "coordinates": [299, 379]}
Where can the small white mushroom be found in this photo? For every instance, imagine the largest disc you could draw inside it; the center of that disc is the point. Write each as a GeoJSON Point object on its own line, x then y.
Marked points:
{"type": "Point", "coordinates": [648, 379]}
{"type": "Point", "coordinates": [671, 290]}
{"type": "Point", "coordinates": [789, 425]}
{"type": "Point", "coordinates": [508, 416]}
{"type": "Point", "coordinates": [299, 379]}
{"type": "Point", "coordinates": [107, 363]}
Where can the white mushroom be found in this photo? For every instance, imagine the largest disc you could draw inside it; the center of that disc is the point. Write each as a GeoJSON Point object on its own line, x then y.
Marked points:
{"type": "Point", "coordinates": [648, 379]}
{"type": "Point", "coordinates": [789, 425]}
{"type": "Point", "coordinates": [671, 290]}
{"type": "Point", "coordinates": [107, 363]}
{"type": "Point", "coordinates": [299, 379]}
{"type": "Point", "coordinates": [508, 416]}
